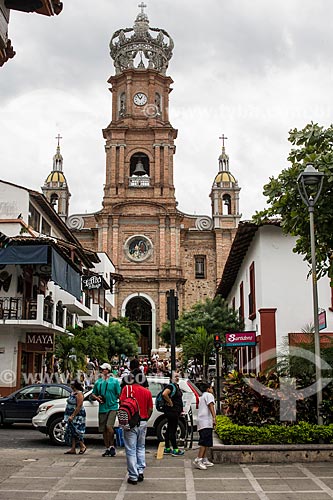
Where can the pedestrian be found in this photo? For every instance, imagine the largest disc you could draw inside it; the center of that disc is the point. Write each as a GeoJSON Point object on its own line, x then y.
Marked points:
{"type": "Point", "coordinates": [106, 391]}
{"type": "Point", "coordinates": [174, 407]}
{"type": "Point", "coordinates": [206, 422]}
{"type": "Point", "coordinates": [75, 419]}
{"type": "Point", "coordinates": [135, 438]}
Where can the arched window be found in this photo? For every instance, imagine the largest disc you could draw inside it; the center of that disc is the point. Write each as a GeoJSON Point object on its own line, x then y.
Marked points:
{"type": "Point", "coordinates": [139, 165]}
{"type": "Point", "coordinates": [226, 204]}
{"type": "Point", "coordinates": [122, 105]}
{"type": "Point", "coordinates": [158, 104]}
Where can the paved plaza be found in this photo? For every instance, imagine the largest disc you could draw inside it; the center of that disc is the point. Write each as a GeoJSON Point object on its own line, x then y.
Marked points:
{"type": "Point", "coordinates": [49, 474]}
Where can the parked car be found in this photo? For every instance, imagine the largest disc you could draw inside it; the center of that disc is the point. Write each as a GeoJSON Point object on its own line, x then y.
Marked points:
{"type": "Point", "coordinates": [49, 418]}
{"type": "Point", "coordinates": [22, 405]}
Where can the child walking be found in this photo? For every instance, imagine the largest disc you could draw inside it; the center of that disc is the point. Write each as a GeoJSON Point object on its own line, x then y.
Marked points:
{"type": "Point", "coordinates": [206, 422]}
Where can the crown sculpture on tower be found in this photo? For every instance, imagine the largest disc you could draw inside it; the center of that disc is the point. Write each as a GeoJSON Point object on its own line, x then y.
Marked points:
{"type": "Point", "coordinates": [138, 48]}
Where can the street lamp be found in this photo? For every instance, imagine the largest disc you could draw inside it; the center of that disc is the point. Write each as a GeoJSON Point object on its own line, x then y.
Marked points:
{"type": "Point", "coordinates": [310, 183]}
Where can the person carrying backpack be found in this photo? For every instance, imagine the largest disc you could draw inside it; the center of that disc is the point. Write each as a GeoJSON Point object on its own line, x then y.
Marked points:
{"type": "Point", "coordinates": [173, 409]}
{"type": "Point", "coordinates": [135, 437]}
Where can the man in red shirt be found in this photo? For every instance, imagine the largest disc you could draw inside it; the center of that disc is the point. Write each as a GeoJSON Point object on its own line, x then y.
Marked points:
{"type": "Point", "coordinates": [135, 438]}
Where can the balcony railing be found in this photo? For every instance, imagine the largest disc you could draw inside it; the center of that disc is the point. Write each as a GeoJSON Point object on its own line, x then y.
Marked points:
{"type": "Point", "coordinates": [139, 181]}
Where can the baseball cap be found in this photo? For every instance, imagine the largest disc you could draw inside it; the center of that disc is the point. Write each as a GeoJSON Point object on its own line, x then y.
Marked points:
{"type": "Point", "coordinates": [105, 366]}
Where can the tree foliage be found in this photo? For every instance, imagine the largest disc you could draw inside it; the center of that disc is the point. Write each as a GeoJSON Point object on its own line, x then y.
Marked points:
{"type": "Point", "coordinates": [313, 144]}
{"type": "Point", "coordinates": [101, 342]}
{"type": "Point", "coordinates": [199, 345]}
{"type": "Point", "coordinates": [213, 315]}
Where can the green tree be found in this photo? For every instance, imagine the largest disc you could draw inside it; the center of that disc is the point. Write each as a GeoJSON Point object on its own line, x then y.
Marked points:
{"type": "Point", "coordinates": [213, 315]}
{"type": "Point", "coordinates": [313, 144]}
{"type": "Point", "coordinates": [120, 340]}
{"type": "Point", "coordinates": [133, 326]}
{"type": "Point", "coordinates": [199, 345]}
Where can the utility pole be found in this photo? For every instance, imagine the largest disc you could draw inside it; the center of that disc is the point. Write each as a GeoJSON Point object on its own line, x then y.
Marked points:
{"type": "Point", "coordinates": [172, 310]}
{"type": "Point", "coordinates": [217, 344]}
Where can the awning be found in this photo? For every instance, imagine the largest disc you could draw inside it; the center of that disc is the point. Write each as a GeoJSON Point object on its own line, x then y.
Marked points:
{"type": "Point", "coordinates": [24, 254]}
{"type": "Point", "coordinates": [65, 276]}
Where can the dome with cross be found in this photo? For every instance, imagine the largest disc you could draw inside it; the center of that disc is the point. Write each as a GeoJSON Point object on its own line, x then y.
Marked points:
{"type": "Point", "coordinates": [141, 47]}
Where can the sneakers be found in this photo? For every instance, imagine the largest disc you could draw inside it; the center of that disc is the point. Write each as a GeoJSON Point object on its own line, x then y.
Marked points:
{"type": "Point", "coordinates": [198, 463]}
{"type": "Point", "coordinates": [131, 481]}
{"type": "Point", "coordinates": [167, 451]}
{"type": "Point", "coordinates": [207, 463]}
{"type": "Point", "coordinates": [109, 452]}
{"type": "Point", "coordinates": [140, 478]}
{"type": "Point", "coordinates": [177, 452]}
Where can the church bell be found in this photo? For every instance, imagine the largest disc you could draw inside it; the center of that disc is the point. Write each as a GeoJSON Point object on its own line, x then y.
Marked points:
{"type": "Point", "coordinates": [139, 169]}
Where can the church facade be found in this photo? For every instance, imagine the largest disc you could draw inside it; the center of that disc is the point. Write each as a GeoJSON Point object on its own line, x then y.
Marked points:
{"type": "Point", "coordinates": [152, 244]}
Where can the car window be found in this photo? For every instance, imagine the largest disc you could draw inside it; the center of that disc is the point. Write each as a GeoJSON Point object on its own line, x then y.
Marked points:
{"type": "Point", "coordinates": [29, 392]}
{"type": "Point", "coordinates": [155, 388]}
{"type": "Point", "coordinates": [55, 392]}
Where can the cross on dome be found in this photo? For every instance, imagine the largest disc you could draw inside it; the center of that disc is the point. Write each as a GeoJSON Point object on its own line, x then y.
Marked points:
{"type": "Point", "coordinates": [58, 137]}
{"type": "Point", "coordinates": [142, 6]}
{"type": "Point", "coordinates": [223, 138]}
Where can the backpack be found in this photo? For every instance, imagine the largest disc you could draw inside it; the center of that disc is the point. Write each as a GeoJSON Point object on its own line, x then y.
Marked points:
{"type": "Point", "coordinates": [129, 412]}
{"type": "Point", "coordinates": [160, 403]}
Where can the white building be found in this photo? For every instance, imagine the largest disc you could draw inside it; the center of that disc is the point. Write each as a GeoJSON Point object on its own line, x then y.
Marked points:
{"type": "Point", "coordinates": [271, 288]}
{"type": "Point", "coordinates": [48, 282]}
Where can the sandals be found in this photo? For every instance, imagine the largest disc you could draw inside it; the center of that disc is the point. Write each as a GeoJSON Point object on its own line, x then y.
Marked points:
{"type": "Point", "coordinates": [70, 453]}
{"type": "Point", "coordinates": [82, 451]}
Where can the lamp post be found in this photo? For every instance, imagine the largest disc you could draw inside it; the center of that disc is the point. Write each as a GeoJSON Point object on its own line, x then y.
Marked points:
{"type": "Point", "coordinates": [310, 183]}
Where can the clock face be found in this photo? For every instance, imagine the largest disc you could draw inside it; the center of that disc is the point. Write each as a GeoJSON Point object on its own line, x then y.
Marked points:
{"type": "Point", "coordinates": [140, 99]}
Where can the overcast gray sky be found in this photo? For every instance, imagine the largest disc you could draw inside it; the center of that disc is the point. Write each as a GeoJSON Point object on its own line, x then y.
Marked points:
{"type": "Point", "coordinates": [252, 70]}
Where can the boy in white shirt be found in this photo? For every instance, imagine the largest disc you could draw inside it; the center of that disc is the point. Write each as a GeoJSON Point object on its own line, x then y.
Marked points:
{"type": "Point", "coordinates": [206, 422]}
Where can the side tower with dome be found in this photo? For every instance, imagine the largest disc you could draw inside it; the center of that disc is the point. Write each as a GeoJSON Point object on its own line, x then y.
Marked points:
{"type": "Point", "coordinates": [152, 244]}
{"type": "Point", "coordinates": [55, 187]}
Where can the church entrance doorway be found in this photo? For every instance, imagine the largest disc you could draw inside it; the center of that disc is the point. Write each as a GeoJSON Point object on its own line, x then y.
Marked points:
{"type": "Point", "coordinates": [139, 309]}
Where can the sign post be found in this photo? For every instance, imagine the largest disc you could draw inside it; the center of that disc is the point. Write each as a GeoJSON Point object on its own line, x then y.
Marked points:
{"type": "Point", "coordinates": [217, 344]}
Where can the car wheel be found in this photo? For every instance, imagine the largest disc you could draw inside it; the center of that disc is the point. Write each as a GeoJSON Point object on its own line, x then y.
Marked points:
{"type": "Point", "coordinates": [57, 431]}
{"type": "Point", "coordinates": [161, 428]}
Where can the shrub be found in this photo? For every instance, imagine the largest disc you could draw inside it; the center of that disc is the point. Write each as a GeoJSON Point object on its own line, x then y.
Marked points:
{"type": "Point", "coordinates": [301, 433]}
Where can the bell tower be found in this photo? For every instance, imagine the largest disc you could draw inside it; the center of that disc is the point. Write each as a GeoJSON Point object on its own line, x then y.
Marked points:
{"type": "Point", "coordinates": [140, 139]}
{"type": "Point", "coordinates": [55, 186]}
{"type": "Point", "coordinates": [139, 225]}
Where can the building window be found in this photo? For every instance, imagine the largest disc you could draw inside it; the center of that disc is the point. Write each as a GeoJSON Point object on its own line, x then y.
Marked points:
{"type": "Point", "coordinates": [241, 301]}
{"type": "Point", "coordinates": [252, 294]}
{"type": "Point", "coordinates": [34, 218]}
{"type": "Point", "coordinates": [200, 266]}
{"type": "Point", "coordinates": [46, 228]}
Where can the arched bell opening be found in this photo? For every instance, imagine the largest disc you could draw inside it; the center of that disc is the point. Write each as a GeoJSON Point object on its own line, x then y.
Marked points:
{"type": "Point", "coordinates": [226, 202]}
{"type": "Point", "coordinates": [139, 309]}
{"type": "Point", "coordinates": [139, 165]}
{"type": "Point", "coordinates": [54, 200]}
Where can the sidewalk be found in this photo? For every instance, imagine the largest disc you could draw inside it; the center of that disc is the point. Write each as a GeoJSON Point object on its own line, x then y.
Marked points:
{"type": "Point", "coordinates": [49, 474]}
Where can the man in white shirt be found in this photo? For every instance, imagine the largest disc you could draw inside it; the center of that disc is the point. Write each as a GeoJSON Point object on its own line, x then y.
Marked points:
{"type": "Point", "coordinates": [206, 423]}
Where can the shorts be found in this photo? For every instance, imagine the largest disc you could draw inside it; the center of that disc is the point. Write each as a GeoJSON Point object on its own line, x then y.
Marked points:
{"type": "Point", "coordinates": [206, 437]}
{"type": "Point", "coordinates": [106, 419]}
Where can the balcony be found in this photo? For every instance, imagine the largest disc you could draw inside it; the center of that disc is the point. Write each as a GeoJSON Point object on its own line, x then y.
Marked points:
{"type": "Point", "coordinates": [98, 316]}
{"type": "Point", "coordinates": [39, 314]}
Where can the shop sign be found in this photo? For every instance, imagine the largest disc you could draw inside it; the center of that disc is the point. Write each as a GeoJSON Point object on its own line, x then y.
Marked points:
{"type": "Point", "coordinates": [39, 342]}
{"type": "Point", "coordinates": [91, 282]}
{"type": "Point", "coordinates": [240, 338]}
{"type": "Point", "coordinates": [322, 320]}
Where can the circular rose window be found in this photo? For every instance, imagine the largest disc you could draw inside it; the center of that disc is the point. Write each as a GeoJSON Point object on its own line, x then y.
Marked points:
{"type": "Point", "coordinates": [138, 248]}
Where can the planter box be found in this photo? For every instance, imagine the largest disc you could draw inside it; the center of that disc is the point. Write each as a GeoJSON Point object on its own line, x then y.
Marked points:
{"type": "Point", "coordinates": [270, 453]}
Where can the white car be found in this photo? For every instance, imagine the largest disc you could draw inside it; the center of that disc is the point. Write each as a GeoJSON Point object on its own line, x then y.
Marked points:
{"type": "Point", "coordinates": [49, 418]}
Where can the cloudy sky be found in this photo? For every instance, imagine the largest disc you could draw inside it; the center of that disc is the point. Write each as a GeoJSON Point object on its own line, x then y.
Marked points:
{"type": "Point", "coordinates": [252, 70]}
